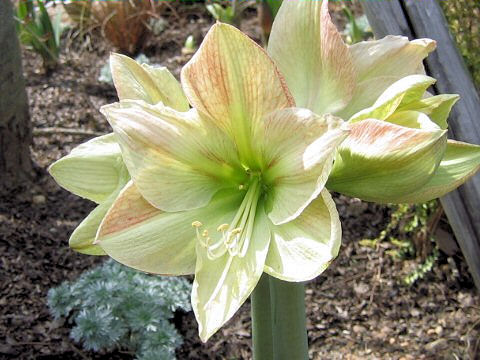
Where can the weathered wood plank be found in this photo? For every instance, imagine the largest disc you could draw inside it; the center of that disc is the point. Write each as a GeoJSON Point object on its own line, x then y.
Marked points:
{"type": "Point", "coordinates": [425, 18]}
{"type": "Point", "coordinates": [387, 18]}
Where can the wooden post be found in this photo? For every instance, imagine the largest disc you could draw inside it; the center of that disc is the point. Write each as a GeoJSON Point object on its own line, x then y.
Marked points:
{"type": "Point", "coordinates": [417, 19]}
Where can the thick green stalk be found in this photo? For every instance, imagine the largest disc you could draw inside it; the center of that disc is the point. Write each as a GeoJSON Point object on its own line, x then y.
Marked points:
{"type": "Point", "coordinates": [289, 324]}
{"type": "Point", "coordinates": [262, 320]}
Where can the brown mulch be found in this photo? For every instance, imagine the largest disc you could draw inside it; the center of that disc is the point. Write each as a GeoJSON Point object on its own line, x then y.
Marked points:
{"type": "Point", "coordinates": [357, 309]}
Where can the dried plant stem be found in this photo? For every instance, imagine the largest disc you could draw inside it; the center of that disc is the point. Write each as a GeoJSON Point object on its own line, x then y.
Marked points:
{"type": "Point", "coordinates": [67, 131]}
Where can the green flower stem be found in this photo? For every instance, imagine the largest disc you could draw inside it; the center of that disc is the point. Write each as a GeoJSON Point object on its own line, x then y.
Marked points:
{"type": "Point", "coordinates": [262, 320]}
{"type": "Point", "coordinates": [289, 323]}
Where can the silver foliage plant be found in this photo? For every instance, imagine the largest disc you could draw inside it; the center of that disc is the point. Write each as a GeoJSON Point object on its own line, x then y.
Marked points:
{"type": "Point", "coordinates": [113, 306]}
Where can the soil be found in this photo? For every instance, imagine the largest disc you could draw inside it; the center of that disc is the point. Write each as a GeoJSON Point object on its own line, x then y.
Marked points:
{"type": "Point", "coordinates": [357, 309]}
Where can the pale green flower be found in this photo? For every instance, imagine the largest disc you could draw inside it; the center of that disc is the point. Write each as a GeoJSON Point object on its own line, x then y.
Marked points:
{"type": "Point", "coordinates": [397, 150]}
{"type": "Point", "coordinates": [244, 167]}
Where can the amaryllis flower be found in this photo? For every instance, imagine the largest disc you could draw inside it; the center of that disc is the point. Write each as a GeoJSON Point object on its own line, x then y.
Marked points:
{"type": "Point", "coordinates": [244, 167]}
{"type": "Point", "coordinates": [397, 150]}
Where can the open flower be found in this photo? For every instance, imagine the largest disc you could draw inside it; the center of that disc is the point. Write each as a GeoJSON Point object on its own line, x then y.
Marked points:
{"type": "Point", "coordinates": [397, 150]}
{"type": "Point", "coordinates": [244, 167]}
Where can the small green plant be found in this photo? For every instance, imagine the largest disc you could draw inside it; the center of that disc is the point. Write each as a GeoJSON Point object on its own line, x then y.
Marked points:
{"type": "Point", "coordinates": [357, 29]}
{"type": "Point", "coordinates": [190, 45]}
{"type": "Point", "coordinates": [229, 12]}
{"type": "Point", "coordinates": [410, 234]}
{"type": "Point", "coordinates": [37, 31]}
{"type": "Point", "coordinates": [422, 269]}
{"type": "Point", "coordinates": [113, 306]}
{"type": "Point", "coordinates": [221, 13]}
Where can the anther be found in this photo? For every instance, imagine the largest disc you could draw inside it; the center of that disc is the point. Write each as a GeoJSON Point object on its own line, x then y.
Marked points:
{"type": "Point", "coordinates": [232, 238]}
{"type": "Point", "coordinates": [236, 231]}
{"type": "Point", "coordinates": [205, 233]}
{"type": "Point", "coordinates": [222, 227]}
{"type": "Point", "coordinates": [196, 224]}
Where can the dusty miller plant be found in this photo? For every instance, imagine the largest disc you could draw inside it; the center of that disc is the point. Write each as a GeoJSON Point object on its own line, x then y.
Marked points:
{"type": "Point", "coordinates": [113, 306]}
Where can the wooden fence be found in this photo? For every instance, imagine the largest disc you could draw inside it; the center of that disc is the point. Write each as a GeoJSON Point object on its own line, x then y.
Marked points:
{"type": "Point", "coordinates": [425, 19]}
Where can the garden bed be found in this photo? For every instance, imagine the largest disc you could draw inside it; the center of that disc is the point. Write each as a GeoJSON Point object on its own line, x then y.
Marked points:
{"type": "Point", "coordinates": [356, 310]}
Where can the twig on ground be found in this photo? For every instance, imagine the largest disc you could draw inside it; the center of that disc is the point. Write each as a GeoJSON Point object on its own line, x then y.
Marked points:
{"type": "Point", "coordinates": [58, 130]}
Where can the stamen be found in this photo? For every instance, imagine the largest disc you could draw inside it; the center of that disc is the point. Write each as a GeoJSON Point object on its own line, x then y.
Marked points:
{"type": "Point", "coordinates": [231, 241]}
{"type": "Point", "coordinates": [236, 236]}
{"type": "Point", "coordinates": [222, 227]}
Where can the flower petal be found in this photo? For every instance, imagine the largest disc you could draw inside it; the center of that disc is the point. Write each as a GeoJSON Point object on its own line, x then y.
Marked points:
{"type": "Point", "coordinates": [380, 63]}
{"type": "Point", "coordinates": [83, 237]}
{"type": "Point", "coordinates": [222, 285]}
{"type": "Point", "coordinates": [297, 149]}
{"type": "Point", "coordinates": [176, 162]}
{"type": "Point", "coordinates": [436, 107]}
{"type": "Point", "coordinates": [144, 82]}
{"type": "Point", "coordinates": [312, 56]}
{"type": "Point", "coordinates": [92, 170]}
{"type": "Point", "coordinates": [461, 161]}
{"type": "Point", "coordinates": [409, 89]}
{"type": "Point", "coordinates": [303, 248]}
{"type": "Point", "coordinates": [233, 82]}
{"type": "Point", "coordinates": [412, 119]}
{"type": "Point", "coordinates": [382, 162]}
{"type": "Point", "coordinates": [140, 236]}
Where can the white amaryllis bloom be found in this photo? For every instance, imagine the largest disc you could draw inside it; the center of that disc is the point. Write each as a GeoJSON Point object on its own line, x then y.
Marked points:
{"type": "Point", "coordinates": [244, 167]}
{"type": "Point", "coordinates": [397, 150]}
